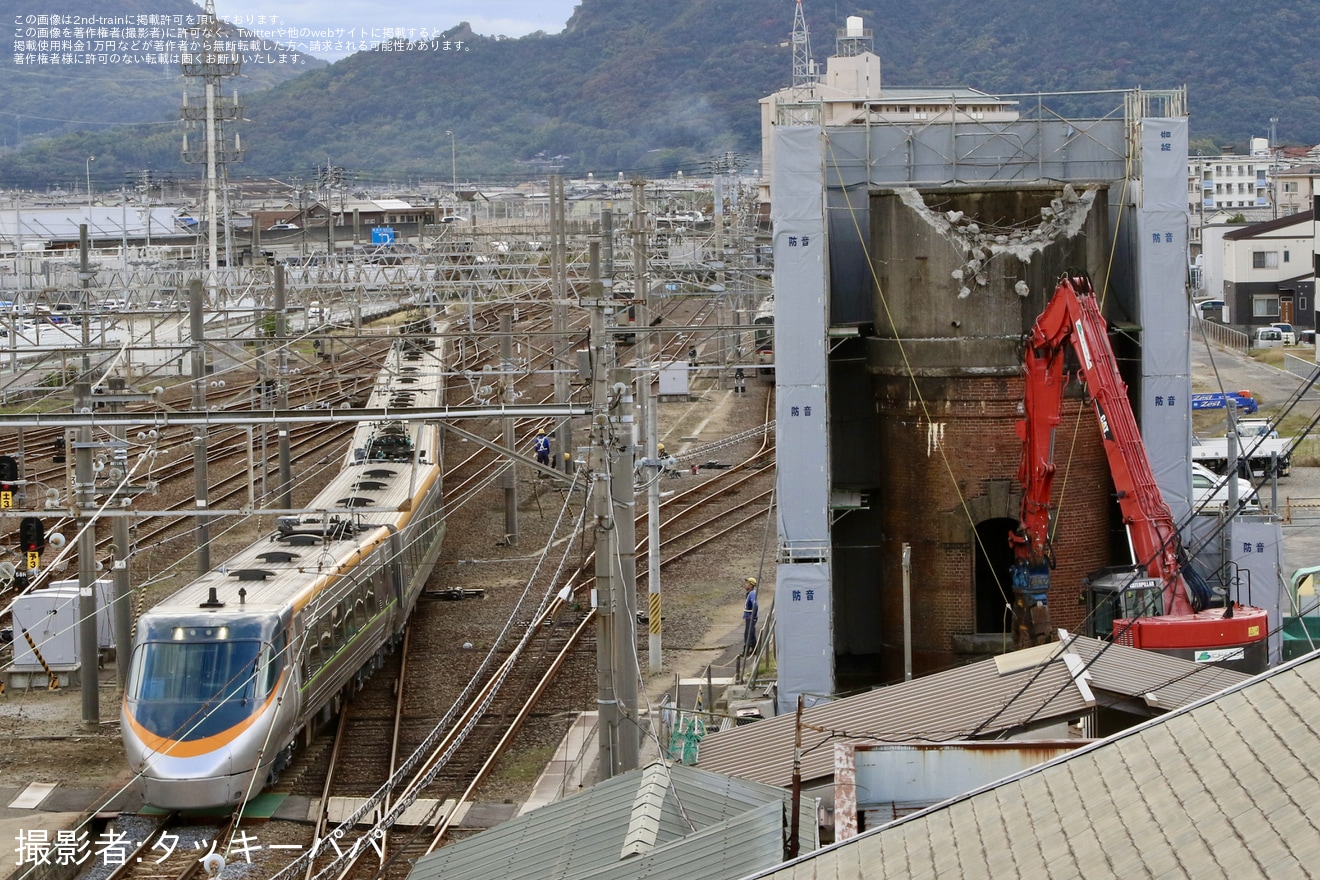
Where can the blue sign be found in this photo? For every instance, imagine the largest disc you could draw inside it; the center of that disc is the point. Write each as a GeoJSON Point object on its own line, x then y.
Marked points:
{"type": "Point", "coordinates": [382, 235]}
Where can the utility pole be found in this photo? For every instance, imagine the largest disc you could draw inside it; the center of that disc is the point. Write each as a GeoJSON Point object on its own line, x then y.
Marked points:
{"type": "Point", "coordinates": [559, 314]}
{"type": "Point", "coordinates": [647, 408]}
{"type": "Point", "coordinates": [123, 588]}
{"type": "Point", "coordinates": [721, 294]}
{"type": "Point", "coordinates": [208, 63]}
{"type": "Point", "coordinates": [616, 664]}
{"type": "Point", "coordinates": [85, 500]}
{"type": "Point", "coordinates": [282, 388]}
{"type": "Point", "coordinates": [84, 493]}
{"type": "Point", "coordinates": [510, 477]}
{"type": "Point", "coordinates": [203, 525]}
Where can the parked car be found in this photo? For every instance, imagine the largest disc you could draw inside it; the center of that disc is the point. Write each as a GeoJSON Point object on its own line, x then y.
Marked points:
{"type": "Point", "coordinates": [1211, 309]}
{"type": "Point", "coordinates": [1288, 333]}
{"type": "Point", "coordinates": [1257, 428]}
{"type": "Point", "coordinates": [1267, 337]}
{"type": "Point", "coordinates": [1209, 489]}
{"type": "Point", "coordinates": [1306, 337]}
{"type": "Point", "coordinates": [280, 227]}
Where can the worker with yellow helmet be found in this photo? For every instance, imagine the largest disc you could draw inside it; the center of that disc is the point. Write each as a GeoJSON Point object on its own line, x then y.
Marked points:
{"type": "Point", "coordinates": [750, 609]}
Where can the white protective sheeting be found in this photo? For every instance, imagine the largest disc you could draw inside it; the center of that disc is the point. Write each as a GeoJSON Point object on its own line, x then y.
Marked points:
{"type": "Point", "coordinates": [1165, 393]}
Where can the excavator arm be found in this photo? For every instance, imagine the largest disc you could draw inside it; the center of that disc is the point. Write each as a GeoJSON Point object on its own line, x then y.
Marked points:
{"type": "Point", "coordinates": [1073, 320]}
{"type": "Point", "coordinates": [1183, 625]}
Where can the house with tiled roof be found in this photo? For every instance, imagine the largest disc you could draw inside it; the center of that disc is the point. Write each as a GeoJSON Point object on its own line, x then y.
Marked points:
{"type": "Point", "coordinates": [1269, 273]}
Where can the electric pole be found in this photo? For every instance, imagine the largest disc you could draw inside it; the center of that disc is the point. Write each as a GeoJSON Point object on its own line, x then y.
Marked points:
{"type": "Point", "coordinates": [647, 407]}
{"type": "Point", "coordinates": [282, 388]}
{"type": "Point", "coordinates": [207, 64]}
{"type": "Point", "coordinates": [510, 477]}
{"type": "Point", "coordinates": [611, 474]}
{"type": "Point", "coordinates": [202, 526]}
{"type": "Point", "coordinates": [559, 315]}
{"type": "Point", "coordinates": [85, 500]}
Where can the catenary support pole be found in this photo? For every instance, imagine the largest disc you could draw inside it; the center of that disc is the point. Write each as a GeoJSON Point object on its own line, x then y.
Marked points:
{"type": "Point", "coordinates": [604, 532]}
{"type": "Point", "coordinates": [563, 358]}
{"type": "Point", "coordinates": [282, 388]}
{"type": "Point", "coordinates": [649, 411]}
{"type": "Point", "coordinates": [202, 528]}
{"type": "Point", "coordinates": [88, 649]}
{"type": "Point", "coordinates": [510, 477]}
{"type": "Point", "coordinates": [123, 589]}
{"type": "Point", "coordinates": [624, 511]}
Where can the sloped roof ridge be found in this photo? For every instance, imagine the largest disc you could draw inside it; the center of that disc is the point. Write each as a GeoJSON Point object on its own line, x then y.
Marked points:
{"type": "Point", "coordinates": [1264, 226]}
{"type": "Point", "coordinates": [1076, 754]}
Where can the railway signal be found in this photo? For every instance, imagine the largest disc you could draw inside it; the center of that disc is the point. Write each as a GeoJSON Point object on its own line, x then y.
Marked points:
{"type": "Point", "coordinates": [32, 540]}
{"type": "Point", "coordinates": [8, 477]}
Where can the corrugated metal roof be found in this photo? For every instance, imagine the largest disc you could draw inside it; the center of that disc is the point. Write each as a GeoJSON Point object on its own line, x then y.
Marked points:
{"type": "Point", "coordinates": [585, 835]}
{"type": "Point", "coordinates": [1225, 787]}
{"type": "Point", "coordinates": [977, 699]}
{"type": "Point", "coordinates": [62, 222]}
{"type": "Point", "coordinates": [970, 700]}
{"type": "Point", "coordinates": [1171, 681]}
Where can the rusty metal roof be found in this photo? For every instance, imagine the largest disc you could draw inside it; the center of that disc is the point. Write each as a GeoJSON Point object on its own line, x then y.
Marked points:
{"type": "Point", "coordinates": [972, 700]}
{"type": "Point", "coordinates": [1223, 787]}
{"type": "Point", "coordinates": [1162, 682]}
{"type": "Point", "coordinates": [1018, 690]}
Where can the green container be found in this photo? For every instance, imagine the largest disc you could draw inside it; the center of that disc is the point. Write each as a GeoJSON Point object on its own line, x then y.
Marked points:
{"type": "Point", "coordinates": [1301, 636]}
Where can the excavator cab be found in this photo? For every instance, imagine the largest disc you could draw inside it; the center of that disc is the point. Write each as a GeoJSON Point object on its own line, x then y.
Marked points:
{"type": "Point", "coordinates": [1119, 594]}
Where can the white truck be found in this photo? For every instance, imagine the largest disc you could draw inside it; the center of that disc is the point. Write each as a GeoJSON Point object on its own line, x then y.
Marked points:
{"type": "Point", "coordinates": [1259, 445]}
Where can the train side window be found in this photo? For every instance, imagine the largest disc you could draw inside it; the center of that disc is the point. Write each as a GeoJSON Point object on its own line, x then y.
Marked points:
{"type": "Point", "coordinates": [340, 623]}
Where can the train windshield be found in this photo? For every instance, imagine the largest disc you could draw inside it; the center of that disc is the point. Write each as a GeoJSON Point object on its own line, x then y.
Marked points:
{"type": "Point", "coordinates": [199, 680]}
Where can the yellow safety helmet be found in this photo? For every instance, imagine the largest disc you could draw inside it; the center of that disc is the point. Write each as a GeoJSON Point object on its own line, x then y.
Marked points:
{"type": "Point", "coordinates": [752, 581]}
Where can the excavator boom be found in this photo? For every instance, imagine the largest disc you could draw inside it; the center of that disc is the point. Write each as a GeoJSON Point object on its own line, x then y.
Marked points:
{"type": "Point", "coordinates": [1072, 321]}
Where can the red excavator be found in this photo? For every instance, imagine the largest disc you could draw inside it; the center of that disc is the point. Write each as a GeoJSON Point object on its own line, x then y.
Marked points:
{"type": "Point", "coordinates": [1161, 603]}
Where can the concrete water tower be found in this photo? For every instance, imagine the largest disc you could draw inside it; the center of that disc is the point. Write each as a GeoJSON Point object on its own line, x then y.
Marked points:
{"type": "Point", "coordinates": [960, 275]}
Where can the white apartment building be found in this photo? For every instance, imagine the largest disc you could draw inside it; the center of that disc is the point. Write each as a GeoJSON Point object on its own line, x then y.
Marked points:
{"type": "Point", "coordinates": [849, 92]}
{"type": "Point", "coordinates": [1294, 188]}
{"type": "Point", "coordinates": [1216, 183]}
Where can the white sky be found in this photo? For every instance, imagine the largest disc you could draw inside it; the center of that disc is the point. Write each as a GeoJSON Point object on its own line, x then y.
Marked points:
{"type": "Point", "coordinates": [320, 23]}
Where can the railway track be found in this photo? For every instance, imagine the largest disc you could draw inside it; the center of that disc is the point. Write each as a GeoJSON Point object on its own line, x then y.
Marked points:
{"type": "Point", "coordinates": [560, 639]}
{"type": "Point", "coordinates": [556, 642]}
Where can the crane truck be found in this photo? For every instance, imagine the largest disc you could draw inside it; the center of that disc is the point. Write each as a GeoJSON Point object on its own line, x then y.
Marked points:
{"type": "Point", "coordinates": [1161, 603]}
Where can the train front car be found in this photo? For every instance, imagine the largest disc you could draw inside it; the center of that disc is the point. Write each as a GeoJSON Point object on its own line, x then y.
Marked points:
{"type": "Point", "coordinates": [205, 717]}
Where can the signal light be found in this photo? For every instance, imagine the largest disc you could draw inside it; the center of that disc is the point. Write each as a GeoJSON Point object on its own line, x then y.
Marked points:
{"type": "Point", "coordinates": [31, 534]}
{"type": "Point", "coordinates": [8, 476]}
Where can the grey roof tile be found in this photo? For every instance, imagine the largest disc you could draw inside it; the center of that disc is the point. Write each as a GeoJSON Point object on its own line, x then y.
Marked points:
{"type": "Point", "coordinates": [738, 827]}
{"type": "Point", "coordinates": [1218, 789]}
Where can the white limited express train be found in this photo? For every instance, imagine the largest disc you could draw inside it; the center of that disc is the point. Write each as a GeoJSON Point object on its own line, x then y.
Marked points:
{"type": "Point", "coordinates": [230, 669]}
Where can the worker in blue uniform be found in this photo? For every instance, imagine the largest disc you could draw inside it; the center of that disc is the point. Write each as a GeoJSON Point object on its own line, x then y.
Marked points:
{"type": "Point", "coordinates": [542, 447]}
{"type": "Point", "coordinates": [750, 609]}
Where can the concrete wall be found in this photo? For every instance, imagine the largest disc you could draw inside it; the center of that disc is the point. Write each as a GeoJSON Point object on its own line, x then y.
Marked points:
{"type": "Point", "coordinates": [957, 288]}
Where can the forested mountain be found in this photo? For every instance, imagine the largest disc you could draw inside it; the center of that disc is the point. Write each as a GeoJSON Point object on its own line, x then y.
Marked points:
{"type": "Point", "coordinates": [75, 94]}
{"type": "Point", "coordinates": [640, 85]}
